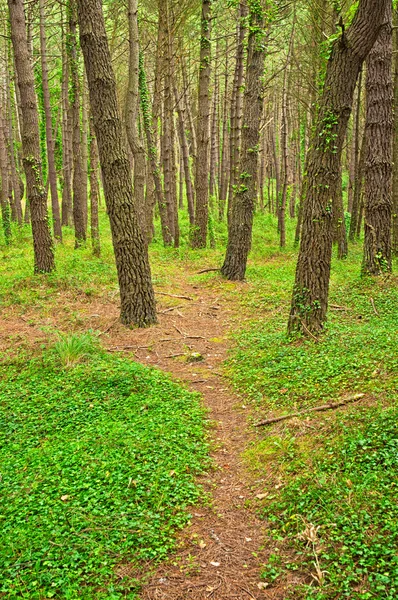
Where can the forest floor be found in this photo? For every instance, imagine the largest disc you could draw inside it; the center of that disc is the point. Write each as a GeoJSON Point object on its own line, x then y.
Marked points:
{"type": "Point", "coordinates": [302, 509]}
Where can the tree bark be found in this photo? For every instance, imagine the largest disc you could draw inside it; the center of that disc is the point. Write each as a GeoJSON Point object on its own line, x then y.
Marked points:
{"type": "Point", "coordinates": [243, 203]}
{"type": "Point", "coordinates": [199, 233]}
{"type": "Point", "coordinates": [42, 242]}
{"type": "Point", "coordinates": [395, 146]}
{"type": "Point", "coordinates": [52, 173]}
{"type": "Point", "coordinates": [94, 193]}
{"type": "Point", "coordinates": [311, 287]}
{"type": "Point", "coordinates": [378, 163]}
{"type": "Point", "coordinates": [131, 254]}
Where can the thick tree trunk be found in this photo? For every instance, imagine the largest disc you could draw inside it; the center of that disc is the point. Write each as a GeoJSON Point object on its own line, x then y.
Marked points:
{"type": "Point", "coordinates": [311, 287]}
{"type": "Point", "coordinates": [199, 233]}
{"type": "Point", "coordinates": [395, 147]}
{"type": "Point", "coordinates": [378, 163]}
{"type": "Point", "coordinates": [243, 203]}
{"type": "Point", "coordinates": [42, 242]}
{"type": "Point", "coordinates": [52, 173]}
{"type": "Point", "coordinates": [78, 183]}
{"type": "Point", "coordinates": [131, 254]}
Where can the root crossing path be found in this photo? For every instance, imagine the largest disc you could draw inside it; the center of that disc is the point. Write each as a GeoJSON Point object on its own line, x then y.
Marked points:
{"type": "Point", "coordinates": [220, 554]}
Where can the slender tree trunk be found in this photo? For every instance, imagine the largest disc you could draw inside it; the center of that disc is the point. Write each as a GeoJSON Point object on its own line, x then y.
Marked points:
{"type": "Point", "coordinates": [285, 167]}
{"type": "Point", "coordinates": [131, 254]}
{"type": "Point", "coordinates": [222, 195]}
{"type": "Point", "coordinates": [241, 220]}
{"type": "Point", "coordinates": [237, 102]}
{"type": "Point", "coordinates": [52, 173]}
{"type": "Point", "coordinates": [94, 193]}
{"type": "Point", "coordinates": [132, 105]}
{"type": "Point", "coordinates": [66, 141]}
{"type": "Point", "coordinates": [78, 183]}
{"type": "Point", "coordinates": [311, 287]}
{"type": "Point", "coordinates": [13, 158]}
{"type": "Point", "coordinates": [378, 164]}
{"type": "Point", "coordinates": [199, 233]}
{"type": "Point", "coordinates": [185, 157]}
{"type": "Point", "coordinates": [4, 196]}
{"type": "Point", "coordinates": [42, 242]}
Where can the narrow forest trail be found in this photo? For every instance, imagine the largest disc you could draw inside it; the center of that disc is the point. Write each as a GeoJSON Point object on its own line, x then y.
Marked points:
{"type": "Point", "coordinates": [220, 554]}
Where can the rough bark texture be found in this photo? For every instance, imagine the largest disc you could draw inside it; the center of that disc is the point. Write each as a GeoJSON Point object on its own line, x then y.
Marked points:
{"type": "Point", "coordinates": [42, 242]}
{"type": "Point", "coordinates": [132, 105]}
{"type": "Point", "coordinates": [311, 287]}
{"type": "Point", "coordinates": [395, 156]}
{"type": "Point", "coordinates": [199, 233]}
{"type": "Point", "coordinates": [78, 183]}
{"type": "Point", "coordinates": [52, 173]}
{"type": "Point", "coordinates": [131, 254]}
{"type": "Point", "coordinates": [378, 163]}
{"type": "Point", "coordinates": [243, 203]}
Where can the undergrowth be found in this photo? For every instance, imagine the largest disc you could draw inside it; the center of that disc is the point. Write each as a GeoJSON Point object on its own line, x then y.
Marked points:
{"type": "Point", "coordinates": [97, 465]}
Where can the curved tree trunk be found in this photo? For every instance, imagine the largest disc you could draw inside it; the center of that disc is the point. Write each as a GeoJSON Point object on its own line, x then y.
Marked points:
{"type": "Point", "coordinates": [378, 163]}
{"type": "Point", "coordinates": [42, 242]}
{"type": "Point", "coordinates": [131, 254]}
{"type": "Point", "coordinates": [243, 203]}
{"type": "Point", "coordinates": [311, 287]}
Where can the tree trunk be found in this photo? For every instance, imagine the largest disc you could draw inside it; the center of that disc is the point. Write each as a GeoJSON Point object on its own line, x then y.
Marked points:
{"type": "Point", "coordinates": [94, 193]}
{"type": "Point", "coordinates": [185, 156]}
{"type": "Point", "coordinates": [66, 141]}
{"type": "Point", "coordinates": [4, 196]}
{"type": "Point", "coordinates": [199, 233]}
{"type": "Point", "coordinates": [242, 209]}
{"type": "Point", "coordinates": [52, 173]}
{"type": "Point", "coordinates": [42, 242]}
{"type": "Point", "coordinates": [395, 148]}
{"type": "Point", "coordinates": [78, 183]}
{"type": "Point", "coordinates": [311, 287]}
{"type": "Point", "coordinates": [378, 164]}
{"type": "Point", "coordinates": [132, 105]}
{"type": "Point", "coordinates": [131, 254]}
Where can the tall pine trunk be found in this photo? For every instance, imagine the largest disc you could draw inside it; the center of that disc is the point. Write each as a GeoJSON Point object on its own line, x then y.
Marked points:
{"type": "Point", "coordinates": [42, 241]}
{"type": "Point", "coordinates": [131, 254]}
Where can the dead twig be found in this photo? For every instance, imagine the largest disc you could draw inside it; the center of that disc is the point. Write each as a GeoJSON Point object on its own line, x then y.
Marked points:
{"type": "Point", "coordinates": [207, 271]}
{"type": "Point", "coordinates": [189, 337]}
{"type": "Point", "coordinates": [329, 406]}
{"type": "Point", "coordinates": [309, 332]}
{"type": "Point", "coordinates": [163, 312]}
{"type": "Point", "coordinates": [337, 307]}
{"type": "Point", "coordinates": [374, 307]}
{"type": "Point", "coordinates": [173, 296]}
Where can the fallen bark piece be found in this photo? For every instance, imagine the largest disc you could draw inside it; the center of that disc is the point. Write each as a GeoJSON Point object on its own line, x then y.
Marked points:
{"type": "Point", "coordinates": [328, 406]}
{"type": "Point", "coordinates": [173, 295]}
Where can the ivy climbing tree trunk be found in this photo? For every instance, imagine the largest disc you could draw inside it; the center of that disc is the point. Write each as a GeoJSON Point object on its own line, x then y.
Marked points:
{"type": "Point", "coordinates": [245, 195]}
{"type": "Point", "coordinates": [311, 287]}
{"type": "Point", "coordinates": [42, 241]}
{"type": "Point", "coordinates": [378, 162]}
{"type": "Point", "coordinates": [199, 233]}
{"type": "Point", "coordinates": [131, 254]}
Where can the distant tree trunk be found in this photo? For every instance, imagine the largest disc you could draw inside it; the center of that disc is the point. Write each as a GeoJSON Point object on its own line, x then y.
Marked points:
{"type": "Point", "coordinates": [237, 102]}
{"type": "Point", "coordinates": [131, 254]}
{"type": "Point", "coordinates": [222, 195]}
{"type": "Point", "coordinates": [199, 233]}
{"type": "Point", "coordinates": [94, 193]}
{"type": "Point", "coordinates": [356, 215]}
{"type": "Point", "coordinates": [42, 242]}
{"type": "Point", "coordinates": [395, 148]}
{"type": "Point", "coordinates": [285, 166]}
{"type": "Point", "coordinates": [78, 183]}
{"type": "Point", "coordinates": [153, 153]}
{"type": "Point", "coordinates": [66, 140]}
{"type": "Point", "coordinates": [311, 287]}
{"type": "Point", "coordinates": [354, 159]}
{"type": "Point", "coordinates": [132, 105]}
{"type": "Point", "coordinates": [52, 173]}
{"type": "Point", "coordinates": [4, 201]}
{"type": "Point", "coordinates": [378, 164]}
{"type": "Point", "coordinates": [185, 156]}
{"type": "Point", "coordinates": [13, 158]}
{"type": "Point", "coordinates": [242, 209]}
{"type": "Point", "coordinates": [339, 229]}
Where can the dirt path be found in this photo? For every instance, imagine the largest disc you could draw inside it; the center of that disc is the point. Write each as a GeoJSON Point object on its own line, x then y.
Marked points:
{"type": "Point", "coordinates": [220, 554]}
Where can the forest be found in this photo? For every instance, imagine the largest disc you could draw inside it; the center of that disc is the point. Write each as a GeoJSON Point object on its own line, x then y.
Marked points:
{"type": "Point", "coordinates": [198, 299]}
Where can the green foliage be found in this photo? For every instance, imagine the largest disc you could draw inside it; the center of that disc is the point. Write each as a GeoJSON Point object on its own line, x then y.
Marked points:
{"type": "Point", "coordinates": [350, 497]}
{"type": "Point", "coordinates": [97, 465]}
{"type": "Point", "coordinates": [74, 348]}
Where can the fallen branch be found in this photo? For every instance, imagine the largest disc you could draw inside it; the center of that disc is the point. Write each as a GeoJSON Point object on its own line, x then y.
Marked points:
{"type": "Point", "coordinates": [163, 312]}
{"type": "Point", "coordinates": [374, 307]}
{"type": "Point", "coordinates": [337, 307]}
{"type": "Point", "coordinates": [208, 271]}
{"type": "Point", "coordinates": [173, 296]}
{"type": "Point", "coordinates": [329, 406]}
